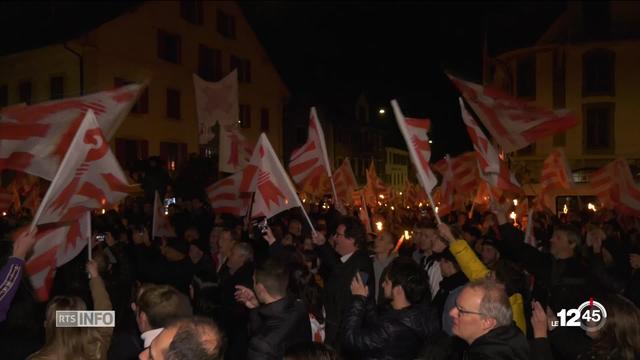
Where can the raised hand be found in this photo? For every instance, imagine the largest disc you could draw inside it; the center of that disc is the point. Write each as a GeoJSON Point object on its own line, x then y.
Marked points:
{"type": "Point", "coordinates": [246, 296]}
{"type": "Point", "coordinates": [358, 287]}
{"type": "Point", "coordinates": [539, 321]}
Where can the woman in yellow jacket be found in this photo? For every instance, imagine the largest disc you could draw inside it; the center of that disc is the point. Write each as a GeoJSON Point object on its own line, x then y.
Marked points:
{"type": "Point", "coordinates": [474, 269]}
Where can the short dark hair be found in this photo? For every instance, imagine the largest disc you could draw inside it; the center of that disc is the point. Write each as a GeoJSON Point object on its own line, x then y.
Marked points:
{"type": "Point", "coordinates": [163, 304]}
{"type": "Point", "coordinates": [411, 277]}
{"type": "Point", "coordinates": [197, 338]}
{"type": "Point", "coordinates": [273, 275]}
{"type": "Point", "coordinates": [354, 229]}
{"type": "Point", "coordinates": [311, 351]}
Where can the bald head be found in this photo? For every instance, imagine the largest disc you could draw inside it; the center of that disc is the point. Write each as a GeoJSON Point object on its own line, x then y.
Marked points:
{"type": "Point", "coordinates": [196, 338]}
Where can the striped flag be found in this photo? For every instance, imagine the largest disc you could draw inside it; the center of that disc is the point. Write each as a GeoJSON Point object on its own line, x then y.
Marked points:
{"type": "Point", "coordinates": [616, 187]}
{"type": "Point", "coordinates": [556, 173]}
{"type": "Point", "coordinates": [35, 138]}
{"type": "Point", "coordinates": [56, 245]}
{"type": "Point", "coordinates": [414, 132]}
{"type": "Point", "coordinates": [374, 187]}
{"type": "Point", "coordinates": [513, 123]}
{"type": "Point", "coordinates": [465, 172]}
{"type": "Point", "coordinates": [309, 164]}
{"type": "Point", "coordinates": [6, 199]}
{"type": "Point", "coordinates": [345, 181]}
{"type": "Point", "coordinates": [216, 102]}
{"type": "Point", "coordinates": [445, 192]}
{"type": "Point", "coordinates": [225, 196]}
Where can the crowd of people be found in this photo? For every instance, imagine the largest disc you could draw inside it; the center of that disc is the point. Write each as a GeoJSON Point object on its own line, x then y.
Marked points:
{"type": "Point", "coordinates": [229, 288]}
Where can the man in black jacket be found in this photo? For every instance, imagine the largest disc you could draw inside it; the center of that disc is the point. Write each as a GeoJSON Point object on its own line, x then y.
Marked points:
{"type": "Point", "coordinates": [399, 333]}
{"type": "Point", "coordinates": [341, 265]}
{"type": "Point", "coordinates": [281, 321]}
{"type": "Point", "coordinates": [482, 318]}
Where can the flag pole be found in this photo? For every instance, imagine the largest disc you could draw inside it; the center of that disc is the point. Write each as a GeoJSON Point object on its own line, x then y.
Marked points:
{"type": "Point", "coordinates": [473, 204]}
{"type": "Point", "coordinates": [433, 205]}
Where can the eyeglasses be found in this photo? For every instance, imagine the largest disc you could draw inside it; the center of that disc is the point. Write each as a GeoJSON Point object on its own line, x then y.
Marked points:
{"type": "Point", "coordinates": [464, 312]}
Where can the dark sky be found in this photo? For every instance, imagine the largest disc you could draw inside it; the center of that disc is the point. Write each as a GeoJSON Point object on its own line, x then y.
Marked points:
{"type": "Point", "coordinates": [327, 49]}
{"type": "Point", "coordinates": [395, 50]}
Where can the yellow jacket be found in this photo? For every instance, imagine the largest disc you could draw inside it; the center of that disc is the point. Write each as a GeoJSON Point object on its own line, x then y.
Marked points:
{"type": "Point", "coordinates": [474, 269]}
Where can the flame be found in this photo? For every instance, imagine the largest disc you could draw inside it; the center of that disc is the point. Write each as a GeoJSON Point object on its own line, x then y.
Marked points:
{"type": "Point", "coordinates": [513, 216]}
{"type": "Point", "coordinates": [565, 209]}
{"type": "Point", "coordinates": [592, 207]}
{"type": "Point", "coordinates": [392, 208]}
{"type": "Point", "coordinates": [515, 202]}
{"type": "Point", "coordinates": [407, 236]}
{"type": "Point", "coordinates": [103, 211]}
{"type": "Point", "coordinates": [379, 225]}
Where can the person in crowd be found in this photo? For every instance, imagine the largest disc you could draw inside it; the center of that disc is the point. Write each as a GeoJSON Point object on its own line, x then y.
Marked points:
{"type": "Point", "coordinates": [225, 244]}
{"type": "Point", "coordinates": [11, 272]}
{"type": "Point", "coordinates": [178, 269]}
{"type": "Point", "coordinates": [277, 320]}
{"type": "Point", "coordinates": [474, 269]}
{"type": "Point", "coordinates": [428, 243]}
{"type": "Point", "coordinates": [342, 263]}
{"type": "Point", "coordinates": [155, 307]}
{"type": "Point", "coordinates": [311, 351]}
{"type": "Point", "coordinates": [453, 280]}
{"type": "Point", "coordinates": [482, 318]}
{"type": "Point", "coordinates": [399, 333]}
{"type": "Point", "coordinates": [234, 316]}
{"type": "Point", "coordinates": [194, 338]}
{"type": "Point", "coordinates": [490, 254]}
{"type": "Point", "coordinates": [304, 286]}
{"type": "Point", "coordinates": [77, 343]}
{"type": "Point", "coordinates": [383, 255]}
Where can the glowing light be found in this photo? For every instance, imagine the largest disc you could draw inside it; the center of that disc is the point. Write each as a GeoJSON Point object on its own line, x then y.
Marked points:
{"type": "Point", "coordinates": [103, 202]}
{"type": "Point", "coordinates": [4, 213]}
{"type": "Point", "coordinates": [166, 212]}
{"type": "Point", "coordinates": [515, 202]}
{"type": "Point", "coordinates": [392, 208]}
{"type": "Point", "coordinates": [592, 207]}
{"type": "Point", "coordinates": [436, 209]}
{"type": "Point", "coordinates": [379, 225]}
{"type": "Point", "coordinates": [513, 216]}
{"type": "Point", "coordinates": [381, 196]}
{"type": "Point", "coordinates": [172, 165]}
{"type": "Point", "coordinates": [565, 209]}
{"type": "Point", "coordinates": [400, 193]}
{"type": "Point", "coordinates": [304, 201]}
{"type": "Point", "coordinates": [103, 211]}
{"type": "Point", "coordinates": [420, 205]}
{"type": "Point", "coordinates": [408, 207]}
{"type": "Point", "coordinates": [406, 235]}
{"type": "Point", "coordinates": [381, 111]}
{"type": "Point", "coordinates": [430, 141]}
{"type": "Point", "coordinates": [379, 203]}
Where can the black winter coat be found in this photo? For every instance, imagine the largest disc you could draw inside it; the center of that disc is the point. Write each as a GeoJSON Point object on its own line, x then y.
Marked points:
{"type": "Point", "coordinates": [337, 290]}
{"type": "Point", "coordinates": [397, 334]}
{"type": "Point", "coordinates": [502, 343]}
{"type": "Point", "coordinates": [277, 326]}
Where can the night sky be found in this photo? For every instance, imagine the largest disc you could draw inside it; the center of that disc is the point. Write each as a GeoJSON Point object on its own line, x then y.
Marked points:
{"type": "Point", "coordinates": [325, 50]}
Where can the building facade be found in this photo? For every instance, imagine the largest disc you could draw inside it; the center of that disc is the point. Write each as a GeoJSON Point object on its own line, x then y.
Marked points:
{"type": "Point", "coordinates": [587, 62]}
{"type": "Point", "coordinates": [163, 43]}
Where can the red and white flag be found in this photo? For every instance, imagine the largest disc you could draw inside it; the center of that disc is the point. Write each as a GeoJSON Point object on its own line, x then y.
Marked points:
{"type": "Point", "coordinates": [35, 138]}
{"type": "Point", "coordinates": [465, 172]}
{"type": "Point", "coordinates": [264, 175]}
{"type": "Point", "coordinates": [374, 187]}
{"type": "Point", "coordinates": [216, 102]}
{"type": "Point", "coordinates": [345, 181]}
{"type": "Point", "coordinates": [56, 245]}
{"type": "Point", "coordinates": [414, 132]}
{"type": "Point", "coordinates": [513, 123]}
{"type": "Point", "coordinates": [235, 150]}
{"type": "Point", "coordinates": [225, 196]}
{"type": "Point", "coordinates": [446, 189]}
{"type": "Point", "coordinates": [491, 168]}
{"type": "Point", "coordinates": [89, 177]}
{"type": "Point", "coordinates": [309, 164]}
{"type": "Point", "coordinates": [616, 187]}
{"type": "Point", "coordinates": [161, 225]}
{"type": "Point", "coordinates": [556, 173]}
{"type": "Point", "coordinates": [363, 213]}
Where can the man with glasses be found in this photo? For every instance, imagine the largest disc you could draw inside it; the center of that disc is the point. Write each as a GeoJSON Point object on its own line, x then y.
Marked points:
{"type": "Point", "coordinates": [341, 264]}
{"type": "Point", "coordinates": [482, 317]}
